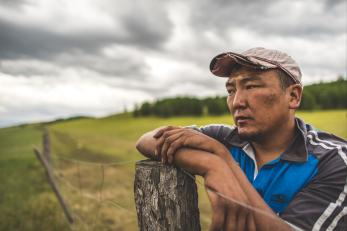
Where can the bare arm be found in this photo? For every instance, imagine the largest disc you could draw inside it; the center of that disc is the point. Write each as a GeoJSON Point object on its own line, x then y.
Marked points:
{"type": "Point", "coordinates": [216, 169]}
{"type": "Point", "coordinates": [228, 215]}
{"type": "Point", "coordinates": [146, 144]}
{"type": "Point", "coordinates": [172, 139]}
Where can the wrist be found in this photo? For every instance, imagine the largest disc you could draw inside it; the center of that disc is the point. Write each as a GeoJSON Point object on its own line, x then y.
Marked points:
{"type": "Point", "coordinates": [197, 161]}
{"type": "Point", "coordinates": [224, 154]}
{"type": "Point", "coordinates": [215, 164]}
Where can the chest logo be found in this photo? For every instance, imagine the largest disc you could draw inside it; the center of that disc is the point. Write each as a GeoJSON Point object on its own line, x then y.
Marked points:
{"type": "Point", "coordinates": [278, 198]}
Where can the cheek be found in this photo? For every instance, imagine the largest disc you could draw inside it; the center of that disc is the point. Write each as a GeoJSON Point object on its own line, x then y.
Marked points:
{"type": "Point", "coordinates": [270, 99]}
{"type": "Point", "coordinates": [229, 103]}
{"type": "Point", "coordinates": [265, 104]}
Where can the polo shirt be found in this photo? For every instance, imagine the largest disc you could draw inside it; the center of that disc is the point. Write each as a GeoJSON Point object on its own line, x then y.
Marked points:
{"type": "Point", "coordinates": [306, 185]}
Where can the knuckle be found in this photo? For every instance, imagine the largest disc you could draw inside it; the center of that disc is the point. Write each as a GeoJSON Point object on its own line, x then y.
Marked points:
{"type": "Point", "coordinates": [174, 145]}
{"type": "Point", "coordinates": [168, 140]}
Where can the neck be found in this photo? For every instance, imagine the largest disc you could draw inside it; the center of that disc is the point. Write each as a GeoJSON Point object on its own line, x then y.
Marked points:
{"type": "Point", "coordinates": [271, 146]}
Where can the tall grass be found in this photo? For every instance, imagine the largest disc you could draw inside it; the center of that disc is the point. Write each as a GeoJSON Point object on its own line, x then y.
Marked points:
{"type": "Point", "coordinates": [27, 202]}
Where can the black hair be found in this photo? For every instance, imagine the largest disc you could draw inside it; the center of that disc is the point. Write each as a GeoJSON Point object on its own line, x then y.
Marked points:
{"type": "Point", "coordinates": [284, 79]}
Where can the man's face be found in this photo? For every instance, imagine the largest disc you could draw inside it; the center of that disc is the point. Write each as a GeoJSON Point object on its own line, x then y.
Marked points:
{"type": "Point", "coordinates": [257, 102]}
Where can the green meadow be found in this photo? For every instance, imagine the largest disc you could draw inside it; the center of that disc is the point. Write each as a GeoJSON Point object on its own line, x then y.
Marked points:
{"type": "Point", "coordinates": [93, 162]}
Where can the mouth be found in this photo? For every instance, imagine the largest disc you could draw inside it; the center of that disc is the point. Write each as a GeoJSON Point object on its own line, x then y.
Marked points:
{"type": "Point", "coordinates": [241, 120]}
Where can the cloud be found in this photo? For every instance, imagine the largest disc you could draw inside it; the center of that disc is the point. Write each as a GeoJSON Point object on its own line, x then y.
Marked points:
{"type": "Point", "coordinates": [48, 35]}
{"type": "Point", "coordinates": [60, 58]}
{"type": "Point", "coordinates": [39, 98]}
{"type": "Point", "coordinates": [285, 18]}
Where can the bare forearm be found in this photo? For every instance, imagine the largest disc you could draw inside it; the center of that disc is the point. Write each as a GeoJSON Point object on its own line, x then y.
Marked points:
{"type": "Point", "coordinates": [196, 161]}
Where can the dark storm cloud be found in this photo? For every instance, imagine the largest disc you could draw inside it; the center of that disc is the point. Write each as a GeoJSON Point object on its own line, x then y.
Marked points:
{"type": "Point", "coordinates": [151, 48]}
{"type": "Point", "coordinates": [30, 42]}
{"type": "Point", "coordinates": [20, 41]}
{"type": "Point", "coordinates": [122, 65]}
{"type": "Point", "coordinates": [335, 3]}
{"type": "Point", "coordinates": [27, 41]}
{"type": "Point", "coordinates": [284, 18]}
{"type": "Point", "coordinates": [12, 3]}
{"type": "Point", "coordinates": [142, 29]}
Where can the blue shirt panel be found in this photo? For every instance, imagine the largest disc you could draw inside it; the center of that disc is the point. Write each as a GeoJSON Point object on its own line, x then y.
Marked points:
{"type": "Point", "coordinates": [277, 181]}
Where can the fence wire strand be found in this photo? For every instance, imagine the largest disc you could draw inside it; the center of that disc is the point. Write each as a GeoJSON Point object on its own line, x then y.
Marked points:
{"type": "Point", "coordinates": [252, 208]}
{"type": "Point", "coordinates": [100, 200]}
{"type": "Point", "coordinates": [98, 197]}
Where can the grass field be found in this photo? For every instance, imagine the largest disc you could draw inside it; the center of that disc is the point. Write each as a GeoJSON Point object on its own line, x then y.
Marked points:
{"type": "Point", "coordinates": [26, 199]}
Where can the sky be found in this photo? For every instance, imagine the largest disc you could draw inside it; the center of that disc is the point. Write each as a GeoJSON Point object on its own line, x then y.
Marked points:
{"type": "Point", "coordinates": [62, 58]}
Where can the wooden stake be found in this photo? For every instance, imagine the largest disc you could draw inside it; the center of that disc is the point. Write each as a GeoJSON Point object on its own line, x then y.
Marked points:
{"type": "Point", "coordinates": [54, 186]}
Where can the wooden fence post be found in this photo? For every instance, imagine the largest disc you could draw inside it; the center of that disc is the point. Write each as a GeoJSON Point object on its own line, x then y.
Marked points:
{"type": "Point", "coordinates": [166, 198]}
{"type": "Point", "coordinates": [46, 143]}
{"type": "Point", "coordinates": [54, 185]}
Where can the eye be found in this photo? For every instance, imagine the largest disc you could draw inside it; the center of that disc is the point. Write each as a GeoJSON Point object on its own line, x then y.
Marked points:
{"type": "Point", "coordinates": [231, 91]}
{"type": "Point", "coordinates": [251, 86]}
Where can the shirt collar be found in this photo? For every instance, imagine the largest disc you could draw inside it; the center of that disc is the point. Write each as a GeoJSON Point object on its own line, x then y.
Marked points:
{"type": "Point", "coordinates": [296, 151]}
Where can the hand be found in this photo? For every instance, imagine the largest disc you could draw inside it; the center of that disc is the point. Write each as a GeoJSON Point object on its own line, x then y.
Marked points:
{"type": "Point", "coordinates": [230, 205]}
{"type": "Point", "coordinates": [171, 138]}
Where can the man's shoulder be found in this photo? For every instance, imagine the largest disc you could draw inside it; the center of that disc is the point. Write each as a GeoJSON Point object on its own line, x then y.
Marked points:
{"type": "Point", "coordinates": [323, 143]}
{"type": "Point", "coordinates": [217, 131]}
{"type": "Point", "coordinates": [324, 197]}
{"type": "Point", "coordinates": [331, 151]}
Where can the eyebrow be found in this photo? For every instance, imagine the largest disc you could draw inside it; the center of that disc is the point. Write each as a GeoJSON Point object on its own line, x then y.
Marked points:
{"type": "Point", "coordinates": [230, 82]}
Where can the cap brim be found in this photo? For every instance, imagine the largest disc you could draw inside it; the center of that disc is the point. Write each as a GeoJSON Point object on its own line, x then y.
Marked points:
{"type": "Point", "coordinates": [223, 64]}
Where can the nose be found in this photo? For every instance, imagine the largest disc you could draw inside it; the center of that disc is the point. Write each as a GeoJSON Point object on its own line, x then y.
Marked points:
{"type": "Point", "coordinates": [238, 101]}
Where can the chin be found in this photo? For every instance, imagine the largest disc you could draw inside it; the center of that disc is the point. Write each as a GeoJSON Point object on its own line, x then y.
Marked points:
{"type": "Point", "coordinates": [249, 135]}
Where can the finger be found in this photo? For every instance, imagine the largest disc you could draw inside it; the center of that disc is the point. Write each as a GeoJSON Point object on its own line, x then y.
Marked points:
{"type": "Point", "coordinates": [251, 222]}
{"type": "Point", "coordinates": [159, 144]}
{"type": "Point", "coordinates": [164, 143]}
{"type": "Point", "coordinates": [241, 219]}
{"type": "Point", "coordinates": [161, 131]}
{"type": "Point", "coordinates": [167, 142]}
{"type": "Point", "coordinates": [218, 211]}
{"type": "Point", "coordinates": [156, 154]}
{"type": "Point", "coordinates": [172, 150]}
{"type": "Point", "coordinates": [231, 222]}
{"type": "Point", "coordinates": [175, 142]}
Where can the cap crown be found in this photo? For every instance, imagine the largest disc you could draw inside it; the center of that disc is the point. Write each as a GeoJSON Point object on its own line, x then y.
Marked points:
{"type": "Point", "coordinates": [258, 57]}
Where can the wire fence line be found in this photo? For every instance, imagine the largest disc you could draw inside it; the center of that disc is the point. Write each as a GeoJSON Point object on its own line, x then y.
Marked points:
{"type": "Point", "coordinates": [91, 196]}
{"type": "Point", "coordinates": [65, 174]}
{"type": "Point", "coordinates": [100, 200]}
{"type": "Point", "coordinates": [78, 170]}
{"type": "Point", "coordinates": [87, 179]}
{"type": "Point", "coordinates": [113, 163]}
{"type": "Point", "coordinates": [230, 199]}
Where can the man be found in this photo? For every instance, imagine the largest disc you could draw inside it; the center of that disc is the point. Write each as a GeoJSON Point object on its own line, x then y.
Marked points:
{"type": "Point", "coordinates": [271, 171]}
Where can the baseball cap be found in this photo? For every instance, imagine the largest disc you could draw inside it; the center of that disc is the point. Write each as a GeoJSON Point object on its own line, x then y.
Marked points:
{"type": "Point", "coordinates": [258, 58]}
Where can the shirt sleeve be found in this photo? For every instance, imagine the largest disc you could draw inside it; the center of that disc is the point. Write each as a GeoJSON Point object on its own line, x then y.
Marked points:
{"type": "Point", "coordinates": [216, 131]}
{"type": "Point", "coordinates": [322, 204]}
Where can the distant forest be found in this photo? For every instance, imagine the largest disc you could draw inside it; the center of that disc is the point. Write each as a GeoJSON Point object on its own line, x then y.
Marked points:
{"type": "Point", "coordinates": [329, 95]}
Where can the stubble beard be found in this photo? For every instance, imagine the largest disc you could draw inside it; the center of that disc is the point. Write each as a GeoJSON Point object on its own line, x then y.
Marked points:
{"type": "Point", "coordinates": [250, 136]}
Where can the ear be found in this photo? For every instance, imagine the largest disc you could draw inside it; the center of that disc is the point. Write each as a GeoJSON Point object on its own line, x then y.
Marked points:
{"type": "Point", "coordinates": [294, 93]}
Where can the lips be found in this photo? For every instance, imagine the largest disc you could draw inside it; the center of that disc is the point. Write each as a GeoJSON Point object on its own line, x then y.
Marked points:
{"type": "Point", "coordinates": [242, 119]}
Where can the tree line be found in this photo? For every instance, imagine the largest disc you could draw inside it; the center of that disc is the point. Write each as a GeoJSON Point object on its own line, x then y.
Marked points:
{"type": "Point", "coordinates": [330, 95]}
